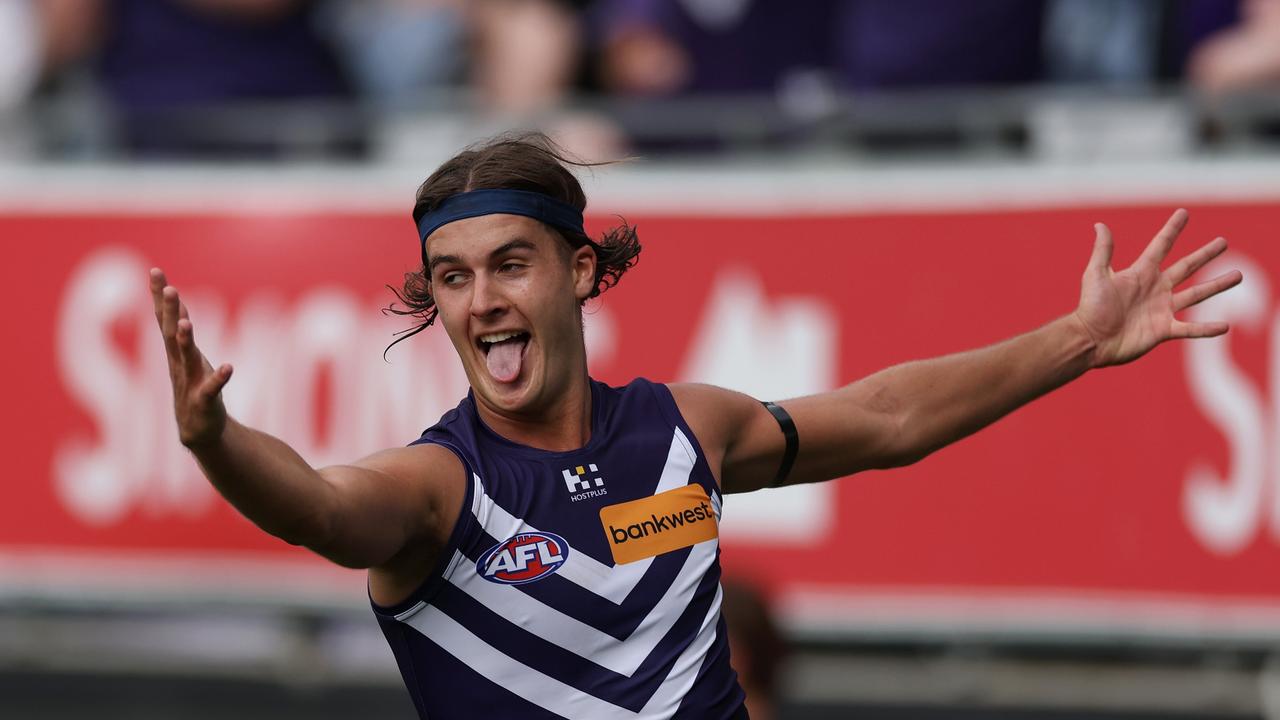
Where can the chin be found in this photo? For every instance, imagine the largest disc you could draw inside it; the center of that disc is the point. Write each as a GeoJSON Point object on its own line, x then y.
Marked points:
{"type": "Point", "coordinates": [516, 396]}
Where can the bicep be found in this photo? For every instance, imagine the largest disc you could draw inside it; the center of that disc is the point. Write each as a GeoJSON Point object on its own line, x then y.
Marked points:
{"type": "Point", "coordinates": [742, 441]}
{"type": "Point", "coordinates": [383, 503]}
{"type": "Point", "coordinates": [839, 433]}
{"type": "Point", "coordinates": [843, 432]}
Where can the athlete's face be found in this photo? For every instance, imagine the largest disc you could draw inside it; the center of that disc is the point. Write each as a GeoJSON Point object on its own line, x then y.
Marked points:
{"type": "Point", "coordinates": [508, 290]}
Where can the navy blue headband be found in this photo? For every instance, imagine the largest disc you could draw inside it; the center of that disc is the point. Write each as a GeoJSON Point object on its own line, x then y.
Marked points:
{"type": "Point", "coordinates": [549, 210]}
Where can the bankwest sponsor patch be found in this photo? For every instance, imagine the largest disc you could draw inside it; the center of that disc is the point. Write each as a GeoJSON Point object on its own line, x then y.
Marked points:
{"type": "Point", "coordinates": [654, 525]}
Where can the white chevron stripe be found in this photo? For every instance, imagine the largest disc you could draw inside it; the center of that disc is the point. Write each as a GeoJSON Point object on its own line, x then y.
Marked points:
{"type": "Point", "coordinates": [680, 460]}
{"type": "Point", "coordinates": [613, 582]}
{"type": "Point", "coordinates": [553, 695]}
{"type": "Point", "coordinates": [555, 626]}
{"type": "Point", "coordinates": [666, 700]}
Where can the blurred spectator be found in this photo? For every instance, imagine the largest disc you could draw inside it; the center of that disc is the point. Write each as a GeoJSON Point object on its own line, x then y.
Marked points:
{"type": "Point", "coordinates": [1129, 42]}
{"type": "Point", "coordinates": [709, 48]}
{"type": "Point", "coordinates": [177, 73]}
{"type": "Point", "coordinates": [922, 43]}
{"type": "Point", "coordinates": [400, 50]}
{"type": "Point", "coordinates": [802, 54]}
{"type": "Point", "coordinates": [38, 38]}
{"type": "Point", "coordinates": [527, 58]}
{"type": "Point", "coordinates": [1108, 42]}
{"type": "Point", "coordinates": [1244, 56]}
{"type": "Point", "coordinates": [21, 49]}
{"type": "Point", "coordinates": [271, 78]}
{"type": "Point", "coordinates": [756, 649]}
{"type": "Point", "coordinates": [1188, 24]}
{"type": "Point", "coordinates": [668, 46]}
{"type": "Point", "coordinates": [663, 47]}
{"type": "Point", "coordinates": [525, 54]}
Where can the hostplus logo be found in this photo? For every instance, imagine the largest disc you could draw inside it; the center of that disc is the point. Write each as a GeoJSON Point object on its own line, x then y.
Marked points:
{"type": "Point", "coordinates": [583, 483]}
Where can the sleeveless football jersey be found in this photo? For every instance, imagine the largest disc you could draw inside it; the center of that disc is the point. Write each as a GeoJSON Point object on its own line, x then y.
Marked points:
{"type": "Point", "coordinates": [581, 584]}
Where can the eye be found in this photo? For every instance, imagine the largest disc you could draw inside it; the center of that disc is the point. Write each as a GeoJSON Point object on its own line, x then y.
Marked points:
{"type": "Point", "coordinates": [510, 266]}
{"type": "Point", "coordinates": [453, 278]}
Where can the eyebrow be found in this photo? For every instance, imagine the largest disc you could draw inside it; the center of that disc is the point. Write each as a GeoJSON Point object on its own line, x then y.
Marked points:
{"type": "Point", "coordinates": [517, 244]}
{"type": "Point", "coordinates": [440, 260]}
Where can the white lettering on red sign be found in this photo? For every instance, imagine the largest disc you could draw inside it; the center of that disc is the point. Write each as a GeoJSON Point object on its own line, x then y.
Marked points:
{"type": "Point", "coordinates": [1226, 511]}
{"type": "Point", "coordinates": [132, 461]}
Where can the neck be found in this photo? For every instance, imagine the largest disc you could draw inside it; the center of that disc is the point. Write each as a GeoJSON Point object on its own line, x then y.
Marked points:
{"type": "Point", "coordinates": [562, 426]}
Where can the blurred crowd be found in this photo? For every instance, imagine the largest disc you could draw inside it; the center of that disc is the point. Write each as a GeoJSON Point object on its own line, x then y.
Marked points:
{"type": "Point", "coordinates": [185, 77]}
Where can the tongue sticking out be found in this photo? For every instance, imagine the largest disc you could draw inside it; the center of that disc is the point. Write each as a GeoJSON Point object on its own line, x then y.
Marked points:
{"type": "Point", "coordinates": [505, 358]}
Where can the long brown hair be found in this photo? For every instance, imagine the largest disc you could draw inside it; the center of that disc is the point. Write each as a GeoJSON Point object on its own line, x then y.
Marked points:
{"type": "Point", "coordinates": [525, 161]}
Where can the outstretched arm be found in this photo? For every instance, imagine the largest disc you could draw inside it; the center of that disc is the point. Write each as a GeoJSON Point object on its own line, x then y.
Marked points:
{"type": "Point", "coordinates": [359, 515]}
{"type": "Point", "coordinates": [899, 415]}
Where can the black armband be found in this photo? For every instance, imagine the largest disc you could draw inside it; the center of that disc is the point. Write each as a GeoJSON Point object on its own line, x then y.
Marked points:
{"type": "Point", "coordinates": [790, 435]}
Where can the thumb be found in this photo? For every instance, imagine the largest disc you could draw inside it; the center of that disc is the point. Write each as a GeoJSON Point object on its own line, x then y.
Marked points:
{"type": "Point", "coordinates": [215, 382]}
{"type": "Point", "coordinates": [1102, 247]}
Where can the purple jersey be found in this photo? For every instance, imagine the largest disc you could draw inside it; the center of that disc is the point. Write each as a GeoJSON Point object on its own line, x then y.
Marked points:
{"type": "Point", "coordinates": [581, 584]}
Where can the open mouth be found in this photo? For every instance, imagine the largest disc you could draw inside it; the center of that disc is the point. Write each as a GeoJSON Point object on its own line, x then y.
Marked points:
{"type": "Point", "coordinates": [504, 353]}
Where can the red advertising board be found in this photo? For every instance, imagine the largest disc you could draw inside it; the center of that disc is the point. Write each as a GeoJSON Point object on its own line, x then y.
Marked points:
{"type": "Point", "coordinates": [1150, 486]}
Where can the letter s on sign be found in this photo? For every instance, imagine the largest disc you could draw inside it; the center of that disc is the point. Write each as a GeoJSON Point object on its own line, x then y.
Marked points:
{"type": "Point", "coordinates": [1224, 513]}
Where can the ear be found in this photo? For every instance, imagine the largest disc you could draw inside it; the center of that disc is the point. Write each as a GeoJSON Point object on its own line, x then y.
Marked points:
{"type": "Point", "coordinates": [583, 267]}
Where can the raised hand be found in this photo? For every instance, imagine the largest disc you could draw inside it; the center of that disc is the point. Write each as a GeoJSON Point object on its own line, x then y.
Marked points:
{"type": "Point", "coordinates": [1130, 312]}
{"type": "Point", "coordinates": [197, 385]}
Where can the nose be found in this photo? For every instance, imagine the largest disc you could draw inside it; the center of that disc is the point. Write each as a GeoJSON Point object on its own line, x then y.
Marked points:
{"type": "Point", "coordinates": [486, 297]}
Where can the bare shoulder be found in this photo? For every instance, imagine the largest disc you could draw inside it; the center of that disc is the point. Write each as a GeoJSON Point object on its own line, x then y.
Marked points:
{"type": "Point", "coordinates": [427, 479]}
{"type": "Point", "coordinates": [415, 476]}
{"type": "Point", "coordinates": [420, 488]}
{"type": "Point", "coordinates": [711, 408]}
{"type": "Point", "coordinates": [425, 462]}
{"type": "Point", "coordinates": [719, 418]}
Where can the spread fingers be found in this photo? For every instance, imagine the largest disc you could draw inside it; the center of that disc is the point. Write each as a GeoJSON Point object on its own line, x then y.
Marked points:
{"type": "Point", "coordinates": [1187, 266]}
{"type": "Point", "coordinates": [192, 360]}
{"type": "Point", "coordinates": [1162, 243]}
{"type": "Point", "coordinates": [1203, 291]}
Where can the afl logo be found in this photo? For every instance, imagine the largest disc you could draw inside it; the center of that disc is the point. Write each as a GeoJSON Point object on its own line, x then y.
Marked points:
{"type": "Point", "coordinates": [523, 558]}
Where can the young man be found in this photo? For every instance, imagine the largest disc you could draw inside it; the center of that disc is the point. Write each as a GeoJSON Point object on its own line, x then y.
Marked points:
{"type": "Point", "coordinates": [509, 580]}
